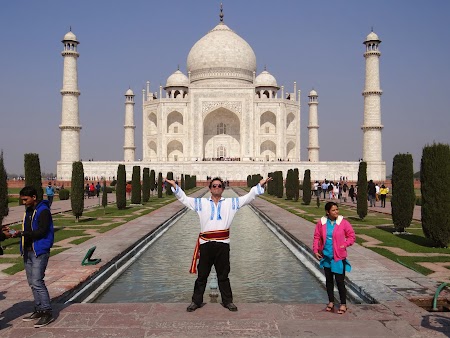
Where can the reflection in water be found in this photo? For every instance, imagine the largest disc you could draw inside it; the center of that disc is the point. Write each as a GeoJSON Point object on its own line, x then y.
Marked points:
{"type": "Point", "coordinates": [262, 268]}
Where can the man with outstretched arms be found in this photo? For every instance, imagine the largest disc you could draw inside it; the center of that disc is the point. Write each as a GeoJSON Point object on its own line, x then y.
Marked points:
{"type": "Point", "coordinates": [213, 245]}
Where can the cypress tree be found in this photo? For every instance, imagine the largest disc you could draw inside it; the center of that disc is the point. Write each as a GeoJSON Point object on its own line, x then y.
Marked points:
{"type": "Point", "coordinates": [168, 190]}
{"type": "Point", "coordinates": [160, 185]}
{"type": "Point", "coordinates": [104, 197]}
{"type": "Point", "coordinates": [4, 210]}
{"type": "Point", "coordinates": [280, 184]}
{"type": "Point", "coordinates": [182, 181]}
{"type": "Point", "coordinates": [146, 185]}
{"type": "Point", "coordinates": [307, 187]}
{"type": "Point", "coordinates": [434, 179]}
{"type": "Point", "coordinates": [33, 175]}
{"type": "Point", "coordinates": [403, 197]}
{"type": "Point", "coordinates": [288, 185]}
{"type": "Point", "coordinates": [77, 194]}
{"type": "Point", "coordinates": [152, 180]}
{"type": "Point", "coordinates": [187, 182]}
{"type": "Point", "coordinates": [296, 185]}
{"type": "Point", "coordinates": [136, 196]}
{"type": "Point", "coordinates": [361, 205]}
{"type": "Point", "coordinates": [121, 192]}
{"type": "Point", "coordinates": [270, 185]}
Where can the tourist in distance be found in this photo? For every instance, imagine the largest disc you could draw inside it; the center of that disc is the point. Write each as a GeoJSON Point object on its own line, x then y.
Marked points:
{"type": "Point", "coordinates": [50, 192]}
{"type": "Point", "coordinates": [37, 237]}
{"type": "Point", "coordinates": [216, 214]}
{"type": "Point", "coordinates": [332, 236]}
{"type": "Point", "coordinates": [383, 193]}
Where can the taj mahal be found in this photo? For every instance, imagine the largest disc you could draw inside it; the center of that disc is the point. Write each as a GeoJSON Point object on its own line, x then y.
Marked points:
{"type": "Point", "coordinates": [222, 118]}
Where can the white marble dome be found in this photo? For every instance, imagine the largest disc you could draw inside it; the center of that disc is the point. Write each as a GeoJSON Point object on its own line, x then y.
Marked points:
{"type": "Point", "coordinates": [70, 37]}
{"type": "Point", "coordinates": [177, 79]}
{"type": "Point", "coordinates": [372, 37]}
{"type": "Point", "coordinates": [129, 92]}
{"type": "Point", "coordinates": [313, 93]}
{"type": "Point", "coordinates": [265, 79]}
{"type": "Point", "coordinates": [221, 53]}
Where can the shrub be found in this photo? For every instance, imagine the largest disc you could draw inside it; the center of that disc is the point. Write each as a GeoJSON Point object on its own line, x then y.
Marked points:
{"type": "Point", "coordinates": [403, 197]}
{"type": "Point", "coordinates": [121, 193]}
{"type": "Point", "coordinates": [434, 178]}
{"type": "Point", "coordinates": [113, 183]}
{"type": "Point", "coordinates": [33, 174]}
{"type": "Point", "coordinates": [289, 185]}
{"type": "Point", "coordinates": [168, 190]}
{"type": "Point", "coordinates": [77, 184]}
{"type": "Point", "coordinates": [146, 185]}
{"type": "Point", "coordinates": [160, 185]}
{"type": "Point", "coordinates": [104, 196]}
{"type": "Point", "coordinates": [136, 196]}
{"type": "Point", "coordinates": [64, 194]}
{"type": "Point", "coordinates": [361, 202]}
{"type": "Point", "coordinates": [418, 200]}
{"type": "Point", "coordinates": [307, 187]}
{"type": "Point", "coordinates": [152, 180]}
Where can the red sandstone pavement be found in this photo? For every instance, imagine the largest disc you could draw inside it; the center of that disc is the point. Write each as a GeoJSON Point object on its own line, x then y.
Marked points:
{"type": "Point", "coordinates": [390, 283]}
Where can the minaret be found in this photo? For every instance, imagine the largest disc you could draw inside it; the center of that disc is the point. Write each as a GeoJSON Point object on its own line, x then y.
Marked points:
{"type": "Point", "coordinates": [70, 120]}
{"type": "Point", "coordinates": [128, 146]}
{"type": "Point", "coordinates": [372, 126]}
{"type": "Point", "coordinates": [313, 127]}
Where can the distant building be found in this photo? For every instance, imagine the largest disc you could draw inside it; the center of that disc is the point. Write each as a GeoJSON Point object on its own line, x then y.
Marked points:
{"type": "Point", "coordinates": [222, 118]}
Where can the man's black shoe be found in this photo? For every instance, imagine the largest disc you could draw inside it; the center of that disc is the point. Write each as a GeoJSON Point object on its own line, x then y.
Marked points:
{"type": "Point", "coordinates": [33, 316]}
{"type": "Point", "coordinates": [192, 307]}
{"type": "Point", "coordinates": [230, 306]}
{"type": "Point", "coordinates": [46, 318]}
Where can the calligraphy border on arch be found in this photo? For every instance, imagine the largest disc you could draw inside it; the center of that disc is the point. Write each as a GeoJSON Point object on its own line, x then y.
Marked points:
{"type": "Point", "coordinates": [209, 106]}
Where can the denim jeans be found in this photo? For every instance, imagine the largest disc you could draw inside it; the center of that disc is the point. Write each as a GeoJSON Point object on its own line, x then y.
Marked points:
{"type": "Point", "coordinates": [35, 270]}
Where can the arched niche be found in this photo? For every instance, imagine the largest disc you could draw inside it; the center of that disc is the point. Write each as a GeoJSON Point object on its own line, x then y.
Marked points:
{"type": "Point", "coordinates": [175, 123]}
{"type": "Point", "coordinates": [268, 123]}
{"type": "Point", "coordinates": [175, 151]}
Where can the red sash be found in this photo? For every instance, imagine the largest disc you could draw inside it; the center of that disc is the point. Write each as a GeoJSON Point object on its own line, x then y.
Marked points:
{"type": "Point", "coordinates": [207, 236]}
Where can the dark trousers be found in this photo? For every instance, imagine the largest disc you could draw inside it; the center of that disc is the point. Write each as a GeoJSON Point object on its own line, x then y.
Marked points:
{"type": "Point", "coordinates": [340, 285]}
{"type": "Point", "coordinates": [383, 200]}
{"type": "Point", "coordinates": [217, 254]}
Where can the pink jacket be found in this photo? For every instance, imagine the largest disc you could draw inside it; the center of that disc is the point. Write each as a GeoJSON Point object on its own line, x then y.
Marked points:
{"type": "Point", "coordinates": [343, 236]}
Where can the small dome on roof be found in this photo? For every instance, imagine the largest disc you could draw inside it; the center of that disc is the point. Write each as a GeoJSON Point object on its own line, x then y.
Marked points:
{"type": "Point", "coordinates": [70, 37]}
{"type": "Point", "coordinates": [265, 79]}
{"type": "Point", "coordinates": [129, 92]}
{"type": "Point", "coordinates": [177, 79]}
{"type": "Point", "coordinates": [313, 93]}
{"type": "Point", "coordinates": [372, 37]}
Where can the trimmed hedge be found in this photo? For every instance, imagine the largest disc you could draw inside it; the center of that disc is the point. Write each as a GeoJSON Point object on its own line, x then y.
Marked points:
{"type": "Point", "coordinates": [64, 194]}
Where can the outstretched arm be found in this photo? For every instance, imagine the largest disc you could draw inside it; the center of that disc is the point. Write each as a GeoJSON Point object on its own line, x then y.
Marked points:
{"type": "Point", "coordinates": [264, 181]}
{"type": "Point", "coordinates": [172, 183]}
{"type": "Point", "coordinates": [180, 195]}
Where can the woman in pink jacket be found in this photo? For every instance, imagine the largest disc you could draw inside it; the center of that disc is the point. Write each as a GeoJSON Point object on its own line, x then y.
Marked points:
{"type": "Point", "coordinates": [332, 236]}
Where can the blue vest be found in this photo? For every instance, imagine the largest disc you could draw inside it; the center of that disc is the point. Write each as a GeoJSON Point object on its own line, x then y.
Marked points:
{"type": "Point", "coordinates": [43, 245]}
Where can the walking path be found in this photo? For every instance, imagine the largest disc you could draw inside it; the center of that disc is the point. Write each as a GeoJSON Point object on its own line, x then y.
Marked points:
{"type": "Point", "coordinates": [391, 285]}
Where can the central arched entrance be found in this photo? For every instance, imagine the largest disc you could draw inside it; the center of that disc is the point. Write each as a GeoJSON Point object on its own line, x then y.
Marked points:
{"type": "Point", "coordinates": [221, 135]}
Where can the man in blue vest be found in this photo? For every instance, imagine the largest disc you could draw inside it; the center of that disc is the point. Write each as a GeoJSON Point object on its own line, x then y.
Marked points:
{"type": "Point", "coordinates": [37, 237]}
{"type": "Point", "coordinates": [50, 192]}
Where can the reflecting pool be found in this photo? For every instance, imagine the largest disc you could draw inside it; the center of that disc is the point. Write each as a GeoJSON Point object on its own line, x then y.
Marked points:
{"type": "Point", "coordinates": [262, 268]}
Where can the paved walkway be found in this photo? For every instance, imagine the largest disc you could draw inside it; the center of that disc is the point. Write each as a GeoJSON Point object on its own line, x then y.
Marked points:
{"type": "Point", "coordinates": [391, 285]}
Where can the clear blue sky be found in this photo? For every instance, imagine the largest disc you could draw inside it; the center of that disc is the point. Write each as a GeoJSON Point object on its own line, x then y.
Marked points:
{"type": "Point", "coordinates": [316, 43]}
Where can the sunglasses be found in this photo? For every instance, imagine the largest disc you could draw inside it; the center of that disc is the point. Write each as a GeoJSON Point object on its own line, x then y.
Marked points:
{"type": "Point", "coordinates": [217, 185]}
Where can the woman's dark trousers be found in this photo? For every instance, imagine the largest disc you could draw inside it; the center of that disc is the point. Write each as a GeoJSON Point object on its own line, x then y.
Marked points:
{"type": "Point", "coordinates": [340, 285]}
